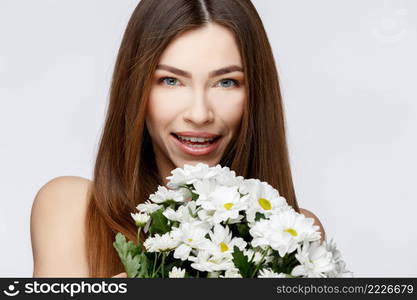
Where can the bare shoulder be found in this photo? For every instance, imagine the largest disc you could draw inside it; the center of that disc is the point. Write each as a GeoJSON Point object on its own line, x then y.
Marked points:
{"type": "Point", "coordinates": [57, 228]}
{"type": "Point", "coordinates": [317, 222]}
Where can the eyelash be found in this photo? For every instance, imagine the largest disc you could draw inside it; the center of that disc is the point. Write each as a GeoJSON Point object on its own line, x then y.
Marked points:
{"type": "Point", "coordinates": [235, 82]}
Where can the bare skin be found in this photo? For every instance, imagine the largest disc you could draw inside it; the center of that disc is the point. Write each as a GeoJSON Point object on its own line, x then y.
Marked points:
{"type": "Point", "coordinates": [58, 211]}
{"type": "Point", "coordinates": [198, 102]}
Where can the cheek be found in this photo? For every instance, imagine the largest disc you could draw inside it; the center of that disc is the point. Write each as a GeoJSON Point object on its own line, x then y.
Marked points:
{"type": "Point", "coordinates": [231, 109]}
{"type": "Point", "coordinates": [161, 108]}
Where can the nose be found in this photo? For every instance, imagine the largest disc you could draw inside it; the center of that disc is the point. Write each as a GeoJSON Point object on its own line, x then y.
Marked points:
{"type": "Point", "coordinates": [199, 110]}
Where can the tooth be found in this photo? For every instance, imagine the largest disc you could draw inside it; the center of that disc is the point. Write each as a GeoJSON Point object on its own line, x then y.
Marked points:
{"type": "Point", "coordinates": [196, 139]}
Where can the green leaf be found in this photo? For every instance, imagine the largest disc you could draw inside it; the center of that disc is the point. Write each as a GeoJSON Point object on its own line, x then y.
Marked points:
{"type": "Point", "coordinates": [243, 229]}
{"type": "Point", "coordinates": [129, 254]}
{"type": "Point", "coordinates": [193, 214]}
{"type": "Point", "coordinates": [194, 196]}
{"type": "Point", "coordinates": [143, 271]}
{"type": "Point", "coordinates": [132, 265]}
{"type": "Point", "coordinates": [259, 216]}
{"type": "Point", "coordinates": [123, 246]}
{"type": "Point", "coordinates": [283, 264]}
{"type": "Point", "coordinates": [242, 263]}
{"type": "Point", "coordinates": [170, 203]}
{"type": "Point", "coordinates": [159, 223]}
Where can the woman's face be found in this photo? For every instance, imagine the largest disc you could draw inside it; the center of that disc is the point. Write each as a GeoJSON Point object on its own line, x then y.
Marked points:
{"type": "Point", "coordinates": [197, 91]}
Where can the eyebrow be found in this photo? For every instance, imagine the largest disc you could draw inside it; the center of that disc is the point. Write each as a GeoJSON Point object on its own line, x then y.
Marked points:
{"type": "Point", "coordinates": [222, 71]}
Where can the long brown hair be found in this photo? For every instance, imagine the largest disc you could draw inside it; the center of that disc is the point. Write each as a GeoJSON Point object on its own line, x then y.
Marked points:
{"type": "Point", "coordinates": [125, 172]}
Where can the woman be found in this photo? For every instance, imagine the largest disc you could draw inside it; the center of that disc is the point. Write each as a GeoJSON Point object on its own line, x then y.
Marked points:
{"type": "Point", "coordinates": [201, 69]}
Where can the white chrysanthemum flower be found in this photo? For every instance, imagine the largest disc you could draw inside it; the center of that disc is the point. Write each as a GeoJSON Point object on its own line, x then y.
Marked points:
{"type": "Point", "coordinates": [256, 256]}
{"type": "Point", "coordinates": [222, 242]}
{"type": "Point", "coordinates": [201, 229]}
{"type": "Point", "coordinates": [284, 232]}
{"type": "Point", "coordinates": [227, 177]}
{"type": "Point", "coordinates": [206, 262]}
{"type": "Point", "coordinates": [160, 243]}
{"type": "Point", "coordinates": [260, 232]}
{"type": "Point", "coordinates": [205, 215]}
{"type": "Point", "coordinates": [224, 203]}
{"type": "Point", "coordinates": [190, 236]}
{"type": "Point", "coordinates": [176, 273]}
{"type": "Point", "coordinates": [148, 207]}
{"type": "Point", "coordinates": [163, 194]}
{"type": "Point", "coordinates": [340, 270]}
{"type": "Point", "coordinates": [315, 260]}
{"type": "Point", "coordinates": [340, 265]}
{"type": "Point", "coordinates": [141, 219]}
{"type": "Point", "coordinates": [204, 188]}
{"type": "Point", "coordinates": [216, 254]}
{"type": "Point", "coordinates": [185, 213]}
{"type": "Point", "coordinates": [268, 273]}
{"type": "Point", "coordinates": [263, 199]}
{"type": "Point", "coordinates": [190, 174]}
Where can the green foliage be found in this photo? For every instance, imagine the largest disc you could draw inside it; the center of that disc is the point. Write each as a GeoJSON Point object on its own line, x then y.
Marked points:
{"type": "Point", "coordinates": [132, 257]}
{"type": "Point", "coordinates": [243, 230]}
{"type": "Point", "coordinates": [194, 196]}
{"type": "Point", "coordinates": [241, 262]}
{"type": "Point", "coordinates": [283, 264]}
{"type": "Point", "coordinates": [194, 215]}
{"type": "Point", "coordinates": [170, 203]}
{"type": "Point", "coordinates": [259, 216]}
{"type": "Point", "coordinates": [159, 223]}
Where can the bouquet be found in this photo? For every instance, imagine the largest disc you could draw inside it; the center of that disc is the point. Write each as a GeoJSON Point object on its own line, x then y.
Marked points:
{"type": "Point", "coordinates": [211, 223]}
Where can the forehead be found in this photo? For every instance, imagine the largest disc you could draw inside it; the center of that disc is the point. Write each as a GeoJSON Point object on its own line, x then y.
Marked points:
{"type": "Point", "coordinates": [209, 47]}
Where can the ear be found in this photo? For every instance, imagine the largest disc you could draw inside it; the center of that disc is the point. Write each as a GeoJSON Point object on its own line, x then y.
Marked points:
{"type": "Point", "coordinates": [317, 222]}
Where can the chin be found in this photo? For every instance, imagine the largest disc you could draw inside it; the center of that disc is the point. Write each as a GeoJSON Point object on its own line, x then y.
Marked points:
{"type": "Point", "coordinates": [193, 162]}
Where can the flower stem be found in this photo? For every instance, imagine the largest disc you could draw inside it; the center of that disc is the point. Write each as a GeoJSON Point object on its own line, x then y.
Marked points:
{"type": "Point", "coordinates": [154, 264]}
{"type": "Point", "coordinates": [138, 235]}
{"type": "Point", "coordinates": [260, 262]}
{"type": "Point", "coordinates": [163, 263]}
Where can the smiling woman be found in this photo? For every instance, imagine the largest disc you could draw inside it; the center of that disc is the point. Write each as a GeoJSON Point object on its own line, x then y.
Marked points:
{"type": "Point", "coordinates": [195, 116]}
{"type": "Point", "coordinates": [194, 81]}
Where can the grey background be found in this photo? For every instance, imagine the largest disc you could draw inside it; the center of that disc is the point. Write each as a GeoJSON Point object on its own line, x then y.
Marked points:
{"type": "Point", "coordinates": [348, 71]}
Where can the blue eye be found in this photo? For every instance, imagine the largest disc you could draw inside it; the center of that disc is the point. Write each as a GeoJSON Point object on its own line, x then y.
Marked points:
{"type": "Point", "coordinates": [170, 81]}
{"type": "Point", "coordinates": [228, 83]}
{"type": "Point", "coordinates": [225, 83]}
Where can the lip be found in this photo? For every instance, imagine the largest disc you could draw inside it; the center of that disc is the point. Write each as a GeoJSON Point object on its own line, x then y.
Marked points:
{"type": "Point", "coordinates": [207, 135]}
{"type": "Point", "coordinates": [196, 151]}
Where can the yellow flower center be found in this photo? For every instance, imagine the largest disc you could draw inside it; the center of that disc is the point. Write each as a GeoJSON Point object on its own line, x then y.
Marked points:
{"type": "Point", "coordinates": [291, 231]}
{"type": "Point", "coordinates": [223, 247]}
{"type": "Point", "coordinates": [228, 206]}
{"type": "Point", "coordinates": [189, 240]}
{"type": "Point", "coordinates": [264, 203]}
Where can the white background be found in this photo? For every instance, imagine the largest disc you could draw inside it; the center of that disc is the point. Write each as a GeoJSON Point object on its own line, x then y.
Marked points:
{"type": "Point", "coordinates": [348, 71]}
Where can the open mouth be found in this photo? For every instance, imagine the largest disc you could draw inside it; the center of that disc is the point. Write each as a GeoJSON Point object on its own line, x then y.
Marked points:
{"type": "Point", "coordinates": [196, 144]}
